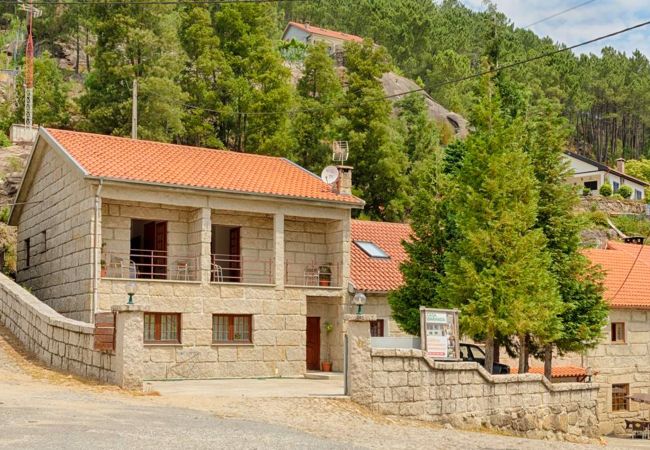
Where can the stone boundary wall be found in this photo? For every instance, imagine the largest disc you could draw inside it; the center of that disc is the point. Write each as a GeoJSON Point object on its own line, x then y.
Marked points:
{"type": "Point", "coordinates": [611, 205]}
{"type": "Point", "coordinates": [55, 340]}
{"type": "Point", "coordinates": [405, 383]}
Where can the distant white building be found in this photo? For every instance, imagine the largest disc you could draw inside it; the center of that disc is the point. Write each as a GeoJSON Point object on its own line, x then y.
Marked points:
{"type": "Point", "coordinates": [592, 175]}
{"type": "Point", "coordinates": [309, 34]}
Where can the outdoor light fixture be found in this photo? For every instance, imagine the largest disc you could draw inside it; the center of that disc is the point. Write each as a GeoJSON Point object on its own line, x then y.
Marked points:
{"type": "Point", "coordinates": [359, 299]}
{"type": "Point", "coordinates": [131, 289]}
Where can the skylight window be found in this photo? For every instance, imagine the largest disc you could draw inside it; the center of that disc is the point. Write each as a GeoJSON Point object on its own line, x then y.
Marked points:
{"type": "Point", "coordinates": [371, 249]}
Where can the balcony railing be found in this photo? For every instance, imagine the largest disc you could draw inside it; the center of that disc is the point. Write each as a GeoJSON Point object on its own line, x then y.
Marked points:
{"type": "Point", "coordinates": [312, 274]}
{"type": "Point", "coordinates": [237, 269]}
{"type": "Point", "coordinates": [152, 265]}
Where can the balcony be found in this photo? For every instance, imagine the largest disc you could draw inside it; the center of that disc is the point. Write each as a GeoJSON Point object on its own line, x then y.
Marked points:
{"type": "Point", "coordinates": [312, 274]}
{"type": "Point", "coordinates": [150, 265]}
{"type": "Point", "coordinates": [226, 268]}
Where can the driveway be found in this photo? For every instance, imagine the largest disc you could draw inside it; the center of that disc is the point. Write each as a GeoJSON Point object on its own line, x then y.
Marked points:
{"type": "Point", "coordinates": [43, 409]}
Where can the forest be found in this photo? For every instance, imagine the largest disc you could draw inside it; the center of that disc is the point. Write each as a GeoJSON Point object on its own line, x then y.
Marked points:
{"type": "Point", "coordinates": [218, 75]}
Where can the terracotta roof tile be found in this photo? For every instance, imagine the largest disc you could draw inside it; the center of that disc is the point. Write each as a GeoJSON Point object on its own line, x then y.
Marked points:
{"type": "Point", "coordinates": [325, 32]}
{"type": "Point", "coordinates": [378, 274]}
{"type": "Point", "coordinates": [181, 165]}
{"type": "Point", "coordinates": [556, 372]}
{"type": "Point", "coordinates": [616, 260]}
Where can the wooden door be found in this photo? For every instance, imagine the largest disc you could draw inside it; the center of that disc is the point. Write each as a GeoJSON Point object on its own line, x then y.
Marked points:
{"type": "Point", "coordinates": [313, 343]}
{"type": "Point", "coordinates": [235, 256]}
{"type": "Point", "coordinates": [160, 250]}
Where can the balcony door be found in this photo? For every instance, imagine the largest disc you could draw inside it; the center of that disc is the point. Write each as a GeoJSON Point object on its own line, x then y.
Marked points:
{"type": "Point", "coordinates": [226, 254]}
{"type": "Point", "coordinates": [149, 248]}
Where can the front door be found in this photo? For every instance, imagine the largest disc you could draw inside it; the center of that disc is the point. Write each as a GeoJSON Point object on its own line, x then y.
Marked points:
{"type": "Point", "coordinates": [313, 343]}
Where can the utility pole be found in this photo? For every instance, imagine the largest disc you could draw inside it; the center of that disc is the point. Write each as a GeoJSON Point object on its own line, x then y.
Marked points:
{"type": "Point", "coordinates": [29, 70]}
{"type": "Point", "coordinates": [134, 110]}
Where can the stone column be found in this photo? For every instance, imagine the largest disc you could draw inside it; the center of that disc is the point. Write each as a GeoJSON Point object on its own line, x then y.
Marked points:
{"type": "Point", "coordinates": [278, 248]}
{"type": "Point", "coordinates": [129, 345]}
{"type": "Point", "coordinates": [359, 376]}
{"type": "Point", "coordinates": [205, 258]}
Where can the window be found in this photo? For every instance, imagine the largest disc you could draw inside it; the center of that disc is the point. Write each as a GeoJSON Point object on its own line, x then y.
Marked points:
{"type": "Point", "coordinates": [27, 253]}
{"type": "Point", "coordinates": [149, 249]}
{"type": "Point", "coordinates": [162, 328]}
{"type": "Point", "coordinates": [371, 249]}
{"type": "Point", "coordinates": [591, 185]}
{"type": "Point", "coordinates": [377, 328]}
{"type": "Point", "coordinates": [232, 329]}
{"type": "Point", "coordinates": [618, 332]}
{"type": "Point", "coordinates": [620, 392]}
{"type": "Point", "coordinates": [616, 185]}
{"type": "Point", "coordinates": [638, 194]}
{"type": "Point", "coordinates": [44, 240]}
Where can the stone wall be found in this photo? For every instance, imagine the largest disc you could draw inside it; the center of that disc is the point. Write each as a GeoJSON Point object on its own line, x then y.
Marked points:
{"type": "Point", "coordinates": [57, 341]}
{"type": "Point", "coordinates": [611, 205]}
{"type": "Point", "coordinates": [406, 383]}
{"type": "Point", "coordinates": [278, 322]}
{"type": "Point", "coordinates": [619, 363]}
{"type": "Point", "coordinates": [377, 304]}
{"type": "Point", "coordinates": [58, 220]}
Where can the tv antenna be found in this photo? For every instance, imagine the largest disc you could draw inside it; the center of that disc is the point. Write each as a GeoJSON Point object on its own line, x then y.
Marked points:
{"type": "Point", "coordinates": [32, 12]}
{"type": "Point", "coordinates": [329, 174]}
{"type": "Point", "coordinates": [340, 151]}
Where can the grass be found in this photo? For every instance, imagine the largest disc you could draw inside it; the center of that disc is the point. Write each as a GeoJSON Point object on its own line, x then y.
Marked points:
{"type": "Point", "coordinates": [633, 225]}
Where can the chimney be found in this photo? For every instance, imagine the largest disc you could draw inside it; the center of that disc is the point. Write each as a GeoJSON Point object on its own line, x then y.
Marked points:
{"type": "Point", "coordinates": [620, 165]}
{"type": "Point", "coordinates": [344, 181]}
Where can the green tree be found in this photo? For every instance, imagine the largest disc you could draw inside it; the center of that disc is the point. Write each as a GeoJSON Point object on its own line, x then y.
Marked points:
{"type": "Point", "coordinates": [135, 42]}
{"type": "Point", "coordinates": [319, 92]}
{"type": "Point", "coordinates": [497, 271]}
{"type": "Point", "coordinates": [639, 168]}
{"type": "Point", "coordinates": [584, 310]}
{"type": "Point", "coordinates": [50, 94]}
{"type": "Point", "coordinates": [376, 145]}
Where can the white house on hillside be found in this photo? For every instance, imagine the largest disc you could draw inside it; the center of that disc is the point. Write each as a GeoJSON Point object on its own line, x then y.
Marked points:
{"type": "Point", "coordinates": [309, 34]}
{"type": "Point", "coordinates": [592, 175]}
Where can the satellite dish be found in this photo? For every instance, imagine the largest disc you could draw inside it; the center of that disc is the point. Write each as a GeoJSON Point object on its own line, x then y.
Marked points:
{"type": "Point", "coordinates": [329, 174]}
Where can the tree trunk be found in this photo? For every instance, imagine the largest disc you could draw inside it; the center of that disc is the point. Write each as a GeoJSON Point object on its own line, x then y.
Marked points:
{"type": "Point", "coordinates": [548, 361]}
{"type": "Point", "coordinates": [86, 52]}
{"type": "Point", "coordinates": [523, 353]}
{"type": "Point", "coordinates": [489, 353]}
{"type": "Point", "coordinates": [497, 352]}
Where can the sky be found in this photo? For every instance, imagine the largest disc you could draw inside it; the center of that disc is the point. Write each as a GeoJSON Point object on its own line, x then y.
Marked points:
{"type": "Point", "coordinates": [587, 22]}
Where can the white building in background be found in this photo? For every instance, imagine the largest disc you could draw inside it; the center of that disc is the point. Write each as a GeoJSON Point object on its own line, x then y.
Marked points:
{"type": "Point", "coordinates": [309, 34]}
{"type": "Point", "coordinates": [592, 175]}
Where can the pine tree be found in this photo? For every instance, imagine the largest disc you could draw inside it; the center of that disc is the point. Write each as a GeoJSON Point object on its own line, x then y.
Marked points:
{"type": "Point", "coordinates": [497, 271]}
{"type": "Point", "coordinates": [135, 42]}
{"type": "Point", "coordinates": [376, 145]}
{"type": "Point", "coordinates": [580, 286]}
{"type": "Point", "coordinates": [319, 92]}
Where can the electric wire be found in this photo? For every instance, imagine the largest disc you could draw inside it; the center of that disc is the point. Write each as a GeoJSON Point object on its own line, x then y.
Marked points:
{"type": "Point", "coordinates": [557, 14]}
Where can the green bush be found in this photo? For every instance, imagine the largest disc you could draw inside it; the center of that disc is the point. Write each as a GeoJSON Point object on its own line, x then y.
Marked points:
{"type": "Point", "coordinates": [632, 225]}
{"type": "Point", "coordinates": [606, 190]}
{"type": "Point", "coordinates": [586, 192]}
{"type": "Point", "coordinates": [4, 140]}
{"type": "Point", "coordinates": [625, 191]}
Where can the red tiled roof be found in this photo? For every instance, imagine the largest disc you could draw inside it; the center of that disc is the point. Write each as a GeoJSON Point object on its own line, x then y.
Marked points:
{"type": "Point", "coordinates": [325, 32]}
{"type": "Point", "coordinates": [180, 165]}
{"type": "Point", "coordinates": [378, 274]}
{"type": "Point", "coordinates": [556, 372]}
{"type": "Point", "coordinates": [616, 260]}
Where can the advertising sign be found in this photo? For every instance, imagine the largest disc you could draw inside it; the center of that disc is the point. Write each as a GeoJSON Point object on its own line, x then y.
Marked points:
{"type": "Point", "coordinates": [439, 332]}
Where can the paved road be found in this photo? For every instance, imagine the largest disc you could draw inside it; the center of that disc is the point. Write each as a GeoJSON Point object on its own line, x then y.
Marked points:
{"type": "Point", "coordinates": [42, 409]}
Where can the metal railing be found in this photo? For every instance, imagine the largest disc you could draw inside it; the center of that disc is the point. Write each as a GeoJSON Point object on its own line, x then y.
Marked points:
{"type": "Point", "coordinates": [150, 264]}
{"type": "Point", "coordinates": [312, 274]}
{"type": "Point", "coordinates": [237, 269]}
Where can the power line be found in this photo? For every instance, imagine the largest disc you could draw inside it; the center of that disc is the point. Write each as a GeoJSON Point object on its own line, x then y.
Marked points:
{"type": "Point", "coordinates": [469, 77]}
{"type": "Point", "coordinates": [552, 16]}
{"type": "Point", "coordinates": [629, 272]}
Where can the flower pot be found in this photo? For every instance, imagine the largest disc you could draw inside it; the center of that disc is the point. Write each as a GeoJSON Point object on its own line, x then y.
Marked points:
{"type": "Point", "coordinates": [324, 282]}
{"type": "Point", "coordinates": [326, 366]}
{"type": "Point", "coordinates": [103, 272]}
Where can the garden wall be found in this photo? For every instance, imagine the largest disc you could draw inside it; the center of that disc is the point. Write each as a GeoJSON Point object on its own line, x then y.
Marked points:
{"type": "Point", "coordinates": [57, 341]}
{"type": "Point", "coordinates": [405, 383]}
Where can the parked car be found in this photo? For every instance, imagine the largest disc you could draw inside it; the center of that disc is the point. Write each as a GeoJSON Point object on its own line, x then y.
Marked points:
{"type": "Point", "coordinates": [472, 352]}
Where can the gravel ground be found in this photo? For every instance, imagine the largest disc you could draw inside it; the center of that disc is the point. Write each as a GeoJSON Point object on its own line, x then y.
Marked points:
{"type": "Point", "coordinates": [40, 408]}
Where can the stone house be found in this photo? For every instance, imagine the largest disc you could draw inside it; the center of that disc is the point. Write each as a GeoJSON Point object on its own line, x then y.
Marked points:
{"type": "Point", "coordinates": [591, 174]}
{"type": "Point", "coordinates": [619, 364]}
{"type": "Point", "coordinates": [240, 259]}
{"type": "Point", "coordinates": [309, 34]}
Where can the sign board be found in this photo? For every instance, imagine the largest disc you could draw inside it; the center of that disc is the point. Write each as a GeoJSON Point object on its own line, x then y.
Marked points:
{"type": "Point", "coordinates": [439, 333]}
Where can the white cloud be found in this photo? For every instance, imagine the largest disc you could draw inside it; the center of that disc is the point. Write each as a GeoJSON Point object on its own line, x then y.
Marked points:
{"type": "Point", "coordinates": [582, 24]}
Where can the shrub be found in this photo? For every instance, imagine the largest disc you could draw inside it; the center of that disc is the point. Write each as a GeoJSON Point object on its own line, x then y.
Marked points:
{"type": "Point", "coordinates": [625, 191]}
{"type": "Point", "coordinates": [606, 190]}
{"type": "Point", "coordinates": [586, 192]}
{"type": "Point", "coordinates": [4, 140]}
